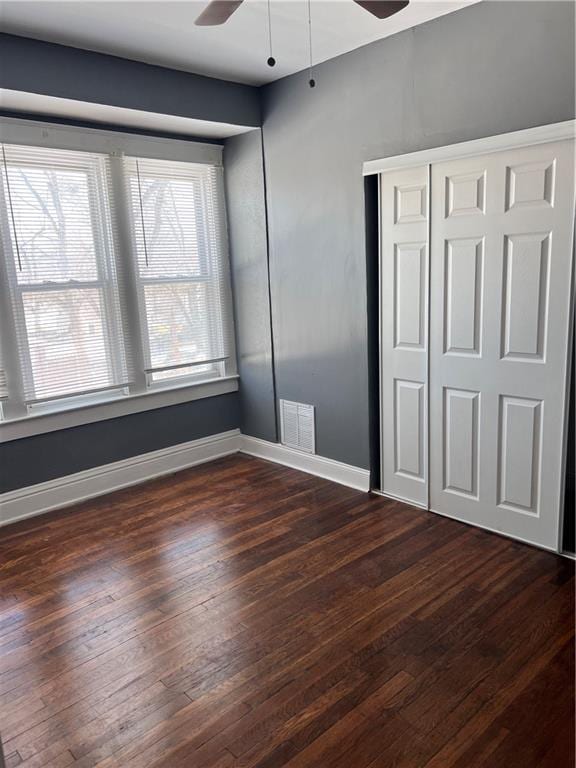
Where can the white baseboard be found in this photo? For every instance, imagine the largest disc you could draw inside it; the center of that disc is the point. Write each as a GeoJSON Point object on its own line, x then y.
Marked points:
{"type": "Point", "coordinates": [345, 474]}
{"type": "Point", "coordinates": [71, 489]}
{"type": "Point", "coordinates": [81, 486]}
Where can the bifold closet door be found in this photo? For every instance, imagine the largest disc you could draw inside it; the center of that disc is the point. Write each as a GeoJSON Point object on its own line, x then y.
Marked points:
{"type": "Point", "coordinates": [404, 334]}
{"type": "Point", "coordinates": [500, 296]}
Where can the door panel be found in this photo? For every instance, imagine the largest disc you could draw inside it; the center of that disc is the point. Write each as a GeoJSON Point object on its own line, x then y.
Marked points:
{"type": "Point", "coordinates": [519, 453]}
{"type": "Point", "coordinates": [404, 333]}
{"type": "Point", "coordinates": [500, 268]}
{"type": "Point", "coordinates": [461, 441]}
{"type": "Point", "coordinates": [463, 305]}
{"type": "Point", "coordinates": [525, 295]}
{"type": "Point", "coordinates": [409, 429]}
{"type": "Point", "coordinates": [409, 290]}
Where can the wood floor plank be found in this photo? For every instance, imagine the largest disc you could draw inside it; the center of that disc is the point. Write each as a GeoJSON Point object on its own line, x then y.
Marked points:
{"type": "Point", "coordinates": [246, 615]}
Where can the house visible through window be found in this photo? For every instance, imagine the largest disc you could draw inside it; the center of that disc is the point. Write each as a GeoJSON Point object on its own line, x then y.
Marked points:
{"type": "Point", "coordinates": [114, 276]}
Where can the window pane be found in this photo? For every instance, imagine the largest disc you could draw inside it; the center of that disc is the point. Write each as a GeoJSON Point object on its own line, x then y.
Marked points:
{"type": "Point", "coordinates": [52, 216]}
{"type": "Point", "coordinates": [67, 341]}
{"type": "Point", "coordinates": [178, 323]}
{"type": "Point", "coordinates": [169, 238]}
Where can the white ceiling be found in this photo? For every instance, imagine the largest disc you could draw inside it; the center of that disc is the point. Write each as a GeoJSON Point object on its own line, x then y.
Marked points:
{"type": "Point", "coordinates": [164, 32]}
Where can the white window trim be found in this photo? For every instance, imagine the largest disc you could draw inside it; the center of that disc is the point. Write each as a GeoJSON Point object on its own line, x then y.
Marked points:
{"type": "Point", "coordinates": [41, 134]}
{"type": "Point", "coordinates": [112, 408]}
{"type": "Point", "coordinates": [115, 143]}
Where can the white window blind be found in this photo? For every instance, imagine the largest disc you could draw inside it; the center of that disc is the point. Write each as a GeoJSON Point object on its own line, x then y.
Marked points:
{"type": "Point", "coordinates": [113, 276]}
{"type": "Point", "coordinates": [60, 270]}
{"type": "Point", "coordinates": [177, 217]}
{"type": "Point", "coordinates": [3, 382]}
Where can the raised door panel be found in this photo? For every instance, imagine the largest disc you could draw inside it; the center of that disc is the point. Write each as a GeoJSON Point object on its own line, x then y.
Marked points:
{"type": "Point", "coordinates": [530, 185]}
{"type": "Point", "coordinates": [465, 193]}
{"type": "Point", "coordinates": [525, 295]}
{"type": "Point", "coordinates": [519, 454]}
{"type": "Point", "coordinates": [461, 441]}
{"type": "Point", "coordinates": [463, 295]}
{"type": "Point", "coordinates": [409, 294]}
{"type": "Point", "coordinates": [410, 201]}
{"type": "Point", "coordinates": [409, 429]}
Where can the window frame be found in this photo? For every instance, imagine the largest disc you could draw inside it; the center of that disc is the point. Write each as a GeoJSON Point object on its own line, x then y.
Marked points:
{"type": "Point", "coordinates": [18, 419]}
{"type": "Point", "coordinates": [218, 368]}
{"type": "Point", "coordinates": [104, 260]}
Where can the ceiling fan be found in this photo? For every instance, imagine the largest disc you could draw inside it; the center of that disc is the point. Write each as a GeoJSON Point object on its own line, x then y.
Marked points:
{"type": "Point", "coordinates": [219, 11]}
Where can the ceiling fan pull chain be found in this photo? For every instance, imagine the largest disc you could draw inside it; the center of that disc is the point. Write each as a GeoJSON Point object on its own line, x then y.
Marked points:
{"type": "Point", "coordinates": [271, 60]}
{"type": "Point", "coordinates": [311, 81]}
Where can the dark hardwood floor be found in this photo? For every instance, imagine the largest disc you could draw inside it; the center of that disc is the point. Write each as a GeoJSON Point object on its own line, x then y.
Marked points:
{"type": "Point", "coordinates": [243, 614]}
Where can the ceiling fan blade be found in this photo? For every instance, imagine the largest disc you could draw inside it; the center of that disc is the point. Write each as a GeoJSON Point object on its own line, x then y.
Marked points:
{"type": "Point", "coordinates": [217, 12]}
{"type": "Point", "coordinates": [382, 8]}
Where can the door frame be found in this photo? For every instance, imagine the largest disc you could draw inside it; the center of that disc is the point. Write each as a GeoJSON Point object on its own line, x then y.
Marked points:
{"type": "Point", "coordinates": [542, 134]}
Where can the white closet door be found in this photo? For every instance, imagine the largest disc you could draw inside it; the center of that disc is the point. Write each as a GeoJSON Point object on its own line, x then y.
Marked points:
{"type": "Point", "coordinates": [404, 334]}
{"type": "Point", "coordinates": [501, 249]}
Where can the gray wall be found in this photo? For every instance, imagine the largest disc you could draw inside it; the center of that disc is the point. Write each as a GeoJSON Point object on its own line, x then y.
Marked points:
{"type": "Point", "coordinates": [484, 70]}
{"type": "Point", "coordinates": [246, 208]}
{"type": "Point", "coordinates": [54, 454]}
{"type": "Point", "coordinates": [72, 73]}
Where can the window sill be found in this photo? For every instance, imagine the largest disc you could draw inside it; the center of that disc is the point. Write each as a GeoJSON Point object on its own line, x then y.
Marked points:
{"type": "Point", "coordinates": [41, 423]}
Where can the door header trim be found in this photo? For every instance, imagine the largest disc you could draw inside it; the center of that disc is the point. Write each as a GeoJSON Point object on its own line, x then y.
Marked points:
{"type": "Point", "coordinates": [542, 134]}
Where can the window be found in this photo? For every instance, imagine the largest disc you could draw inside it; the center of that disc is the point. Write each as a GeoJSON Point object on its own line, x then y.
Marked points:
{"type": "Point", "coordinates": [179, 270]}
{"type": "Point", "coordinates": [113, 277]}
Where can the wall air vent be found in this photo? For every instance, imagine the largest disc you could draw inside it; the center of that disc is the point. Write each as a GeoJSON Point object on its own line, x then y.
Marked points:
{"type": "Point", "coordinates": [297, 429]}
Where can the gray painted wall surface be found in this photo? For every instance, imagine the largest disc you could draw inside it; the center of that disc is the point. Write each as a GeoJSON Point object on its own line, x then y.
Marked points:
{"type": "Point", "coordinates": [243, 168]}
{"type": "Point", "coordinates": [45, 457]}
{"type": "Point", "coordinates": [73, 73]}
{"type": "Point", "coordinates": [484, 70]}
